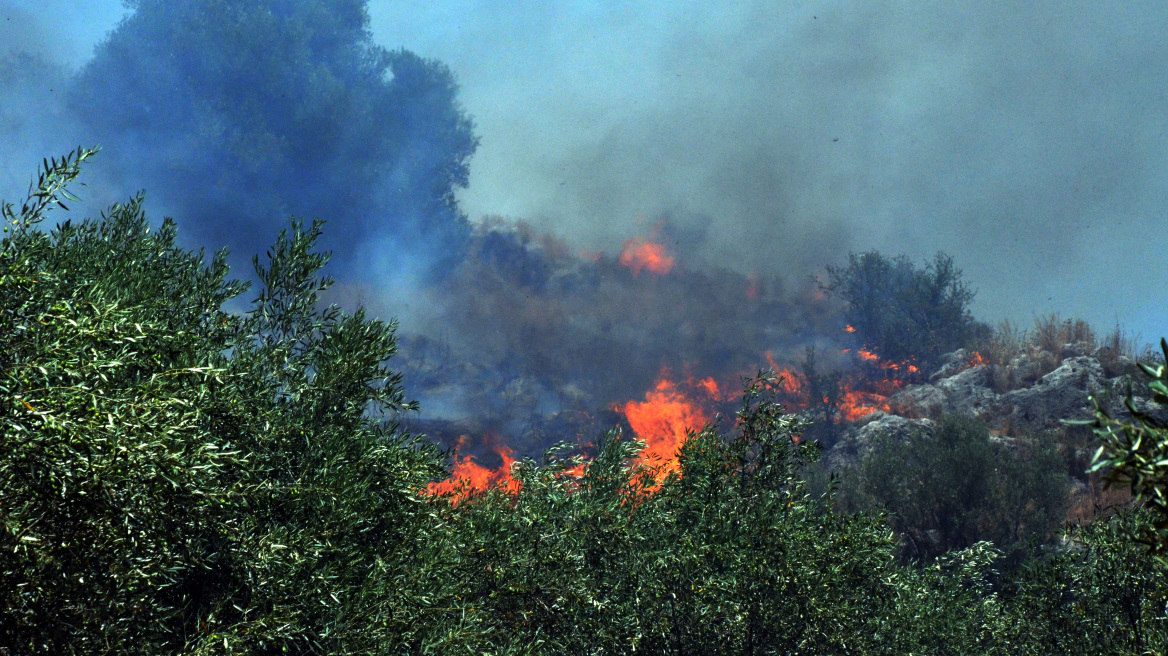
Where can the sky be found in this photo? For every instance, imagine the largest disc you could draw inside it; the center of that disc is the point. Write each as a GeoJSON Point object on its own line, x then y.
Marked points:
{"type": "Point", "coordinates": [1027, 139]}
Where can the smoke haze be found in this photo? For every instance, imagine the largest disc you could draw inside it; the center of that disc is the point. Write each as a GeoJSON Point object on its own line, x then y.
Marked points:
{"type": "Point", "coordinates": [1027, 139]}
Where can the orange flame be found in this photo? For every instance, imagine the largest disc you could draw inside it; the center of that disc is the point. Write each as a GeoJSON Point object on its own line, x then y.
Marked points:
{"type": "Point", "coordinates": [643, 255]}
{"type": "Point", "coordinates": [663, 419]}
{"type": "Point", "coordinates": [977, 360]}
{"type": "Point", "coordinates": [867, 356]}
{"type": "Point", "coordinates": [469, 477]}
{"type": "Point", "coordinates": [709, 386]}
{"type": "Point", "coordinates": [849, 329]}
{"type": "Point", "coordinates": [791, 383]}
{"type": "Point", "coordinates": [857, 405]}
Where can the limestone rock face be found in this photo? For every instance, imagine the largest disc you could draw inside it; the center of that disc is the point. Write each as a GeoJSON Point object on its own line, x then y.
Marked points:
{"type": "Point", "coordinates": [951, 364]}
{"type": "Point", "coordinates": [857, 441]}
{"type": "Point", "coordinates": [1062, 394]}
{"type": "Point", "coordinates": [918, 401]}
{"type": "Point", "coordinates": [970, 392]}
{"type": "Point", "coordinates": [1014, 400]}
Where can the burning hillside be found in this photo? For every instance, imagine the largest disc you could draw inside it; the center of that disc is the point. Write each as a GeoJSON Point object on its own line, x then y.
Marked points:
{"type": "Point", "coordinates": [538, 344]}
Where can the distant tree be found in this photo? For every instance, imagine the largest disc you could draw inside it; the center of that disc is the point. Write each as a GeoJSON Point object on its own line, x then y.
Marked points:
{"type": "Point", "coordinates": [902, 312]}
{"type": "Point", "coordinates": [239, 113]}
{"type": "Point", "coordinates": [823, 392]}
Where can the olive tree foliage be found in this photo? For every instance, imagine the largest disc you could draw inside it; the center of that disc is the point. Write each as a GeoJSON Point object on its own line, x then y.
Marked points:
{"type": "Point", "coordinates": [955, 488]}
{"type": "Point", "coordinates": [1135, 452]}
{"type": "Point", "coordinates": [177, 479]}
{"type": "Point", "coordinates": [1100, 594]}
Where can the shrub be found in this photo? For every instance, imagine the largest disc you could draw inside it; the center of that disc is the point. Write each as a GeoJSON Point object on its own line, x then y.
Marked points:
{"type": "Point", "coordinates": [959, 487]}
{"type": "Point", "coordinates": [903, 312]}
{"type": "Point", "coordinates": [180, 479]}
{"type": "Point", "coordinates": [1135, 453]}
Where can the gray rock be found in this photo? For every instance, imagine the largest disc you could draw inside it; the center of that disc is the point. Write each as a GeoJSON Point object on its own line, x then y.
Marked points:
{"type": "Point", "coordinates": [1060, 394]}
{"type": "Point", "coordinates": [970, 392]}
{"type": "Point", "coordinates": [857, 440]}
{"type": "Point", "coordinates": [951, 364]}
{"type": "Point", "coordinates": [918, 401]}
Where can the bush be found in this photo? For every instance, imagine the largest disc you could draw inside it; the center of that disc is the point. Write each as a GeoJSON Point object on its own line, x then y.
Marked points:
{"type": "Point", "coordinates": [180, 479]}
{"type": "Point", "coordinates": [904, 313]}
{"type": "Point", "coordinates": [959, 487]}
{"type": "Point", "coordinates": [1135, 453]}
{"type": "Point", "coordinates": [1101, 594]}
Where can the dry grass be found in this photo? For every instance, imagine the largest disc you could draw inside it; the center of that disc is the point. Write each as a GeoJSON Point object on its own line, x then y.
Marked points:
{"type": "Point", "coordinates": [1096, 503]}
{"type": "Point", "coordinates": [1052, 333]}
{"type": "Point", "coordinates": [1052, 340]}
{"type": "Point", "coordinates": [1003, 345]}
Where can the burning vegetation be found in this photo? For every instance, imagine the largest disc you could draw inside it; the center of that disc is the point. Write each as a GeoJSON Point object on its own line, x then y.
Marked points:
{"type": "Point", "coordinates": [243, 464]}
{"type": "Point", "coordinates": [542, 344]}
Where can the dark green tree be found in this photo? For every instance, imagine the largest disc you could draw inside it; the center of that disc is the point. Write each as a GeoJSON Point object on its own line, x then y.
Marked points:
{"type": "Point", "coordinates": [271, 108]}
{"type": "Point", "coordinates": [959, 487]}
{"type": "Point", "coordinates": [902, 312]}
{"type": "Point", "coordinates": [180, 479]}
{"type": "Point", "coordinates": [1100, 594]}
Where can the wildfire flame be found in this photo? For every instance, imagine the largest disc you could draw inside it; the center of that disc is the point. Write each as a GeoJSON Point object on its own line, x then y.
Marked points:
{"type": "Point", "coordinates": [469, 476]}
{"type": "Point", "coordinates": [664, 419]}
{"type": "Point", "coordinates": [643, 255]}
{"type": "Point", "coordinates": [671, 410]}
{"type": "Point", "coordinates": [977, 360]}
{"type": "Point", "coordinates": [857, 405]}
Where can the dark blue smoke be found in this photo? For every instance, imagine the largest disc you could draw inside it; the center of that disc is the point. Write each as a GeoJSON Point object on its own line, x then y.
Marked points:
{"type": "Point", "coordinates": [236, 114]}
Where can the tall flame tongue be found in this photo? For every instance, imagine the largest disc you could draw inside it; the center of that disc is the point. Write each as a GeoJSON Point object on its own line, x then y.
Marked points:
{"type": "Point", "coordinates": [663, 419]}
{"type": "Point", "coordinates": [643, 255]}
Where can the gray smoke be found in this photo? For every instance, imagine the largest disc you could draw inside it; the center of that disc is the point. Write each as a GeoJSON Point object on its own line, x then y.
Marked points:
{"type": "Point", "coordinates": [1027, 139]}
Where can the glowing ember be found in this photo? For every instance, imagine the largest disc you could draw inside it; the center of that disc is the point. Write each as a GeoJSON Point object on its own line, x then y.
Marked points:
{"type": "Point", "coordinates": [469, 476]}
{"type": "Point", "coordinates": [849, 329]}
{"type": "Point", "coordinates": [663, 419]}
{"type": "Point", "coordinates": [977, 360]}
{"type": "Point", "coordinates": [752, 287]}
{"type": "Point", "coordinates": [643, 255]}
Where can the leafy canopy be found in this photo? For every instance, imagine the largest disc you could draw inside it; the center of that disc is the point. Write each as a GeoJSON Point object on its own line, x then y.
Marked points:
{"type": "Point", "coordinates": [275, 107]}
{"type": "Point", "coordinates": [903, 312]}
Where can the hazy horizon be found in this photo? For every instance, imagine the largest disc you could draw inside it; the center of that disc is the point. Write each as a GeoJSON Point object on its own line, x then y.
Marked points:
{"type": "Point", "coordinates": [1027, 140]}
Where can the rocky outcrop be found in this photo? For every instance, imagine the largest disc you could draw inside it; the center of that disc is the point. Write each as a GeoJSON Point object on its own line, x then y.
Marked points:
{"type": "Point", "coordinates": [1063, 394]}
{"type": "Point", "coordinates": [855, 442]}
{"type": "Point", "coordinates": [1041, 401]}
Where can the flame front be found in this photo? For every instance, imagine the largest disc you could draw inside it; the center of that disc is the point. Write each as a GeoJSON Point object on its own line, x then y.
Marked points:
{"type": "Point", "coordinates": [643, 255]}
{"type": "Point", "coordinates": [664, 418]}
{"type": "Point", "coordinates": [469, 476]}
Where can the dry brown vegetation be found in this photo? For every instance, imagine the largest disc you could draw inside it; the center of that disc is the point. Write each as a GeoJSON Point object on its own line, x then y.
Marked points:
{"type": "Point", "coordinates": [1020, 357]}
